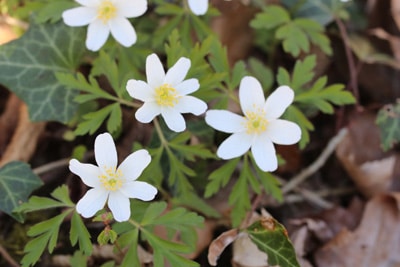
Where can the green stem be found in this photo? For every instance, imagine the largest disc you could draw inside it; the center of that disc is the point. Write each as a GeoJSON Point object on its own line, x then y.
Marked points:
{"type": "Point", "coordinates": [163, 140]}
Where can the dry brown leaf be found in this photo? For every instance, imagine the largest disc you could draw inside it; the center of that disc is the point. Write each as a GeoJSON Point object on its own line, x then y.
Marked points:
{"type": "Point", "coordinates": [24, 140]}
{"type": "Point", "coordinates": [394, 41]}
{"type": "Point", "coordinates": [395, 10]}
{"type": "Point", "coordinates": [218, 245]}
{"type": "Point", "coordinates": [375, 243]}
{"type": "Point", "coordinates": [371, 169]}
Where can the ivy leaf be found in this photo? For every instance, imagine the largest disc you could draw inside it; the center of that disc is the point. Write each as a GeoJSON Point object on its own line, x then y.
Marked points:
{"type": "Point", "coordinates": [17, 181]}
{"type": "Point", "coordinates": [271, 237]}
{"type": "Point", "coordinates": [28, 66]}
{"type": "Point", "coordinates": [388, 121]}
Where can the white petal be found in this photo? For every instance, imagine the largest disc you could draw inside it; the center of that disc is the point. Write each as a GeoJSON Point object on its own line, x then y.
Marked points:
{"type": "Point", "coordinates": [139, 190]}
{"type": "Point", "coordinates": [191, 104]}
{"type": "Point", "coordinates": [105, 151]}
{"type": "Point", "coordinates": [89, 173]}
{"type": "Point", "coordinates": [123, 31]}
{"type": "Point", "coordinates": [154, 71]}
{"type": "Point", "coordinates": [93, 201]}
{"type": "Point", "coordinates": [139, 90]}
{"type": "Point", "coordinates": [225, 121]}
{"type": "Point", "coordinates": [177, 72]}
{"type": "Point", "coordinates": [147, 112]}
{"type": "Point", "coordinates": [79, 16]}
{"type": "Point", "coordinates": [97, 35]}
{"type": "Point", "coordinates": [264, 154]}
{"type": "Point", "coordinates": [188, 86]}
{"type": "Point", "coordinates": [251, 95]}
{"type": "Point", "coordinates": [131, 8]}
{"type": "Point", "coordinates": [278, 101]}
{"type": "Point", "coordinates": [133, 166]}
{"type": "Point", "coordinates": [234, 146]}
{"type": "Point", "coordinates": [283, 132]}
{"type": "Point", "coordinates": [119, 205]}
{"type": "Point", "coordinates": [198, 7]}
{"type": "Point", "coordinates": [173, 119]}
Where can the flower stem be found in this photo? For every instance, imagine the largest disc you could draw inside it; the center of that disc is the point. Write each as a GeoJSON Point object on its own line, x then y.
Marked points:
{"type": "Point", "coordinates": [160, 133]}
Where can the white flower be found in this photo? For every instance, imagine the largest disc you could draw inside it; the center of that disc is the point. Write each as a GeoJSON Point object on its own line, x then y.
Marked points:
{"type": "Point", "coordinates": [166, 93]}
{"type": "Point", "coordinates": [259, 128]}
{"type": "Point", "coordinates": [198, 7]}
{"type": "Point", "coordinates": [112, 184]}
{"type": "Point", "coordinates": [105, 16]}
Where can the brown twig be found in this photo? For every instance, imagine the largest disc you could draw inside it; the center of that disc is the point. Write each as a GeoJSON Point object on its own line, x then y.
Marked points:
{"type": "Point", "coordinates": [317, 164]}
{"type": "Point", "coordinates": [7, 257]}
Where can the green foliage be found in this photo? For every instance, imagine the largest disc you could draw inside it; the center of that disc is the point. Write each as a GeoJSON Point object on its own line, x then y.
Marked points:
{"type": "Point", "coordinates": [295, 34]}
{"type": "Point", "coordinates": [28, 66]}
{"type": "Point", "coordinates": [45, 233]}
{"type": "Point", "coordinates": [271, 237]}
{"type": "Point", "coordinates": [17, 181]}
{"type": "Point", "coordinates": [175, 220]}
{"type": "Point", "coordinates": [388, 121]}
{"type": "Point", "coordinates": [310, 96]}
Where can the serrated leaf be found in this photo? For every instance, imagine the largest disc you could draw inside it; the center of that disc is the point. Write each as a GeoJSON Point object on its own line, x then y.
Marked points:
{"type": "Point", "coordinates": [131, 257]}
{"type": "Point", "coordinates": [262, 72]}
{"type": "Point", "coordinates": [220, 177]}
{"type": "Point", "coordinates": [17, 181]}
{"type": "Point", "coordinates": [153, 212]}
{"type": "Point", "coordinates": [28, 66]}
{"type": "Point", "coordinates": [93, 120]}
{"type": "Point", "coordinates": [388, 121]}
{"type": "Point", "coordinates": [45, 234]}
{"type": "Point", "coordinates": [294, 114]}
{"type": "Point", "coordinates": [239, 199]}
{"type": "Point", "coordinates": [79, 233]}
{"type": "Point", "coordinates": [271, 237]}
{"type": "Point", "coordinates": [271, 17]}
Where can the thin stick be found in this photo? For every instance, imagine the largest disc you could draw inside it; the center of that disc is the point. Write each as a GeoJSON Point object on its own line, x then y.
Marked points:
{"type": "Point", "coordinates": [7, 257]}
{"type": "Point", "coordinates": [51, 166]}
{"type": "Point", "coordinates": [317, 164]}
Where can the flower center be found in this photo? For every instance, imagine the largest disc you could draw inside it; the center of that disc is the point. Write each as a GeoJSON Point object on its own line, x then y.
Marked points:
{"type": "Point", "coordinates": [106, 11]}
{"type": "Point", "coordinates": [166, 95]}
{"type": "Point", "coordinates": [256, 122]}
{"type": "Point", "coordinates": [111, 179]}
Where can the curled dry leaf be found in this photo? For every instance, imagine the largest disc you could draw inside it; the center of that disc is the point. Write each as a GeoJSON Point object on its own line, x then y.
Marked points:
{"type": "Point", "coordinates": [371, 169]}
{"type": "Point", "coordinates": [375, 243]}
{"type": "Point", "coordinates": [218, 245]}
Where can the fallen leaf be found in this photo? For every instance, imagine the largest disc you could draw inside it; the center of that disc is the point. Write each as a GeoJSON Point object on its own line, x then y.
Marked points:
{"type": "Point", "coordinates": [360, 153]}
{"type": "Point", "coordinates": [218, 245]}
{"type": "Point", "coordinates": [395, 10]}
{"type": "Point", "coordinates": [375, 243]}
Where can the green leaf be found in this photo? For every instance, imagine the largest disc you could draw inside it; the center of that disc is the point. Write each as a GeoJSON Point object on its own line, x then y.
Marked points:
{"type": "Point", "coordinates": [35, 203]}
{"type": "Point", "coordinates": [262, 72]}
{"type": "Point", "coordinates": [220, 177]}
{"type": "Point", "coordinates": [28, 66]}
{"type": "Point", "coordinates": [52, 11]}
{"type": "Point", "coordinates": [271, 237]}
{"type": "Point", "coordinates": [271, 17]}
{"type": "Point", "coordinates": [131, 257]}
{"type": "Point", "coordinates": [93, 120]}
{"type": "Point", "coordinates": [80, 233]}
{"type": "Point", "coordinates": [388, 121]}
{"type": "Point", "coordinates": [105, 65]}
{"type": "Point", "coordinates": [45, 234]}
{"type": "Point", "coordinates": [239, 199]}
{"type": "Point", "coordinates": [78, 259]}
{"type": "Point", "coordinates": [17, 181]}
{"type": "Point", "coordinates": [294, 114]}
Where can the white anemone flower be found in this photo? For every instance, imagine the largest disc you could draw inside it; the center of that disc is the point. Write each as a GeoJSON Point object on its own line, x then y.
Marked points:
{"type": "Point", "coordinates": [166, 93]}
{"type": "Point", "coordinates": [105, 16]}
{"type": "Point", "coordinates": [198, 7]}
{"type": "Point", "coordinates": [111, 184]}
{"type": "Point", "coordinates": [260, 126]}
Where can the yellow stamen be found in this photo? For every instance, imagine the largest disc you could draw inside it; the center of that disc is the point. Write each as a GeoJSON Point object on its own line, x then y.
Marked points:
{"type": "Point", "coordinates": [111, 179]}
{"type": "Point", "coordinates": [166, 95]}
{"type": "Point", "coordinates": [256, 122]}
{"type": "Point", "coordinates": [106, 11]}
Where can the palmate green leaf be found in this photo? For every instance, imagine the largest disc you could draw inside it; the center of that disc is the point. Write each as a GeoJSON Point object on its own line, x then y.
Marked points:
{"type": "Point", "coordinates": [130, 239]}
{"type": "Point", "coordinates": [271, 237]}
{"type": "Point", "coordinates": [271, 17]}
{"type": "Point", "coordinates": [44, 234]}
{"type": "Point", "coordinates": [220, 177]}
{"type": "Point", "coordinates": [294, 114]}
{"type": "Point", "coordinates": [35, 203]}
{"type": "Point", "coordinates": [28, 66]}
{"type": "Point", "coordinates": [79, 233]}
{"type": "Point", "coordinates": [17, 181]}
{"type": "Point", "coordinates": [191, 200]}
{"type": "Point", "coordinates": [93, 120]}
{"type": "Point", "coordinates": [105, 65]}
{"type": "Point", "coordinates": [262, 72]}
{"type": "Point", "coordinates": [388, 121]}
